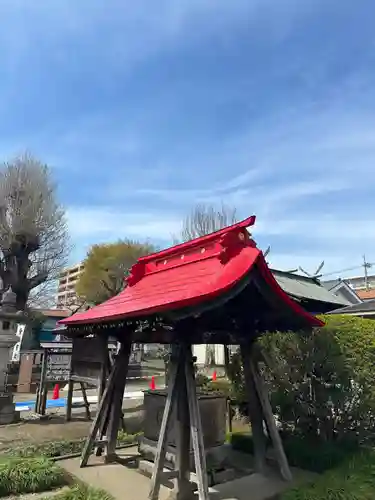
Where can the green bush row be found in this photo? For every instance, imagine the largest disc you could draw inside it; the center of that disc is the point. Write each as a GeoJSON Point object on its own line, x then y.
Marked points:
{"type": "Point", "coordinates": [31, 475]}
{"type": "Point", "coordinates": [302, 452]}
{"type": "Point", "coordinates": [354, 480]}
{"type": "Point", "coordinates": [320, 383]}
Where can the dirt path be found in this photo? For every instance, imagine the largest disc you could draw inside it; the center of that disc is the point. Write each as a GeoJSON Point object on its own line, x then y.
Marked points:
{"type": "Point", "coordinates": [54, 428]}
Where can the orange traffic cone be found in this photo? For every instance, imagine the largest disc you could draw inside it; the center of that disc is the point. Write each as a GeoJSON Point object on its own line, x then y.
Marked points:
{"type": "Point", "coordinates": [56, 392]}
{"type": "Point", "coordinates": [152, 384]}
{"type": "Point", "coordinates": [214, 376]}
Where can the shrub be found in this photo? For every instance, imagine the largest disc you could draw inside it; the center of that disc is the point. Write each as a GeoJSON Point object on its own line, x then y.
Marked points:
{"type": "Point", "coordinates": [31, 475]}
{"type": "Point", "coordinates": [81, 492]}
{"type": "Point", "coordinates": [354, 480]}
{"type": "Point", "coordinates": [313, 455]}
{"type": "Point", "coordinates": [320, 383]}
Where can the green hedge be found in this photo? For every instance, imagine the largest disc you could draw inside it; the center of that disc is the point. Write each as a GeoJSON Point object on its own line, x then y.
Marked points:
{"type": "Point", "coordinates": [31, 475]}
{"type": "Point", "coordinates": [354, 480]}
{"type": "Point", "coordinates": [320, 383]}
{"type": "Point", "coordinates": [302, 452]}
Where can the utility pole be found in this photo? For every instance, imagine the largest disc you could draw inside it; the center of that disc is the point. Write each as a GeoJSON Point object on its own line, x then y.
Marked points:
{"type": "Point", "coordinates": [366, 265]}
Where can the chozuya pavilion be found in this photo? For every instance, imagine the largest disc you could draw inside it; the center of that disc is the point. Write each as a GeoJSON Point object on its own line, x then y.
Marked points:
{"type": "Point", "coordinates": [214, 289]}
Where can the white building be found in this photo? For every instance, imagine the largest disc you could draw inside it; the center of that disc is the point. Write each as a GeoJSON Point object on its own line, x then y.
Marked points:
{"type": "Point", "coordinates": [66, 292]}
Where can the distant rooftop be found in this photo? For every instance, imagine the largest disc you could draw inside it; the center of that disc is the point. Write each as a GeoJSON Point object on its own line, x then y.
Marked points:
{"type": "Point", "coordinates": [366, 308]}
{"type": "Point", "coordinates": [305, 287]}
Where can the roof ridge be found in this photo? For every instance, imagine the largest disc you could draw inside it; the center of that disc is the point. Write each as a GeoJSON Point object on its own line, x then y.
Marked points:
{"type": "Point", "coordinates": [187, 245]}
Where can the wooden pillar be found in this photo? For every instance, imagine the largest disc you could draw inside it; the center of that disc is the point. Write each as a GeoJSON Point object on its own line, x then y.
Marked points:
{"type": "Point", "coordinates": [183, 487]}
{"type": "Point", "coordinates": [107, 407]}
{"type": "Point", "coordinates": [196, 428]}
{"type": "Point", "coordinates": [182, 391]}
{"type": "Point", "coordinates": [162, 441]}
{"type": "Point", "coordinates": [270, 421]}
{"type": "Point", "coordinates": [69, 400]}
{"type": "Point", "coordinates": [255, 411]}
{"type": "Point", "coordinates": [115, 415]}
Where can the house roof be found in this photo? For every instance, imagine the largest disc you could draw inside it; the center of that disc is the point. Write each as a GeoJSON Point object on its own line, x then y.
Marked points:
{"type": "Point", "coordinates": [304, 287]}
{"type": "Point", "coordinates": [366, 308]}
{"type": "Point", "coordinates": [329, 284]}
{"type": "Point", "coordinates": [54, 313]}
{"type": "Point", "coordinates": [341, 288]}
{"type": "Point", "coordinates": [366, 294]}
{"type": "Point", "coordinates": [193, 274]}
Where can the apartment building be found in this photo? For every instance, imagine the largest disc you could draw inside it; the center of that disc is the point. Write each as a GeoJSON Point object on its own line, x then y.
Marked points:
{"type": "Point", "coordinates": [66, 291]}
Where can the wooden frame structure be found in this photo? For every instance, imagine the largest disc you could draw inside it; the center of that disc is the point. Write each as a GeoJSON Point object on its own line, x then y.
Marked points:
{"type": "Point", "coordinates": [52, 373]}
{"type": "Point", "coordinates": [215, 289]}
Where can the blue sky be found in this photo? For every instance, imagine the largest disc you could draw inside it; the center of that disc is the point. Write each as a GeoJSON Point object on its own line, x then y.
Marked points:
{"type": "Point", "coordinates": [144, 109]}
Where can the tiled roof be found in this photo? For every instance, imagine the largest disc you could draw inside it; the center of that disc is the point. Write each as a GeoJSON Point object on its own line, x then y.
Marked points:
{"type": "Point", "coordinates": [366, 294]}
{"type": "Point", "coordinates": [189, 275]}
{"type": "Point", "coordinates": [304, 287]}
{"type": "Point", "coordinates": [364, 308]}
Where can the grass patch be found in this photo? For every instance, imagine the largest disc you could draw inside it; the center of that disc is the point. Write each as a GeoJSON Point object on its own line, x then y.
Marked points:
{"type": "Point", "coordinates": [81, 492]}
{"type": "Point", "coordinates": [354, 480]}
{"type": "Point", "coordinates": [60, 448]}
{"type": "Point", "coordinates": [31, 475]}
{"type": "Point", "coordinates": [301, 452]}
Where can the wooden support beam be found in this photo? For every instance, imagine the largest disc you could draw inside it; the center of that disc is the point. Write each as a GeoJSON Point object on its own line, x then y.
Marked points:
{"type": "Point", "coordinates": [182, 486]}
{"type": "Point", "coordinates": [40, 405]}
{"type": "Point", "coordinates": [162, 442]}
{"type": "Point", "coordinates": [270, 420]}
{"type": "Point", "coordinates": [254, 410]}
{"type": "Point", "coordinates": [101, 414]}
{"type": "Point", "coordinates": [85, 401]}
{"type": "Point", "coordinates": [196, 428]}
{"type": "Point", "coordinates": [115, 414]}
{"type": "Point", "coordinates": [69, 400]}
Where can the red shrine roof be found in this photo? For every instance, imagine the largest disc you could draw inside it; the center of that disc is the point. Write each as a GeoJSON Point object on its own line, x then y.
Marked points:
{"type": "Point", "coordinates": [187, 275]}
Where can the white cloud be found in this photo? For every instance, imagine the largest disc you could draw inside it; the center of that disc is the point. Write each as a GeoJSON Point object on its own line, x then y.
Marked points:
{"type": "Point", "coordinates": [94, 223]}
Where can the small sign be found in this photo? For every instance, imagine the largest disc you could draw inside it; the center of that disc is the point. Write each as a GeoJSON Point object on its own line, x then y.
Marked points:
{"type": "Point", "coordinates": [58, 366]}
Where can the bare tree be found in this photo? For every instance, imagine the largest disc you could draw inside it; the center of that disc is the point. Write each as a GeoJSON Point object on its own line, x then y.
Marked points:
{"type": "Point", "coordinates": [205, 219]}
{"type": "Point", "coordinates": [33, 230]}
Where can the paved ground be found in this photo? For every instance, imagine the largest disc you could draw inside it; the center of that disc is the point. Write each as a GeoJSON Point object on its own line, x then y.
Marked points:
{"type": "Point", "coordinates": [121, 482]}
{"type": "Point", "coordinates": [124, 482]}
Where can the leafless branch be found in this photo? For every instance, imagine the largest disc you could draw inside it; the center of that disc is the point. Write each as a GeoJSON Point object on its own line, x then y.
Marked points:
{"type": "Point", "coordinates": [33, 229]}
{"type": "Point", "coordinates": [205, 219]}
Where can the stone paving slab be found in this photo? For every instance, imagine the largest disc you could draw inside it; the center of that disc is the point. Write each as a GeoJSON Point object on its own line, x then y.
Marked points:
{"type": "Point", "coordinates": [257, 486]}
{"type": "Point", "coordinates": [122, 482]}
{"type": "Point", "coordinates": [125, 483]}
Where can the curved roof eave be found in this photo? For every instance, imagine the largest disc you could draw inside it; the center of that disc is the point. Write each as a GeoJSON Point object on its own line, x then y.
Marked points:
{"type": "Point", "coordinates": [188, 275]}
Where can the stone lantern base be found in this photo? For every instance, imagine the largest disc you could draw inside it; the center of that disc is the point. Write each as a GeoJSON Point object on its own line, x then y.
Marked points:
{"type": "Point", "coordinates": [8, 413]}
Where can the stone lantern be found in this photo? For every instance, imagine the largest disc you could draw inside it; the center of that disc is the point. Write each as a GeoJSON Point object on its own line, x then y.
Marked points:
{"type": "Point", "coordinates": [9, 319]}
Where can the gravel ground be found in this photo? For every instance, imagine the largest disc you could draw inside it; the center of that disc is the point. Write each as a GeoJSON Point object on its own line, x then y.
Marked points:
{"type": "Point", "coordinates": [33, 430]}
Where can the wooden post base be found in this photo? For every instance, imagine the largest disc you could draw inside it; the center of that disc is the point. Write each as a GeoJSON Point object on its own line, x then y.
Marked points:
{"type": "Point", "coordinates": [182, 392]}
{"type": "Point", "coordinates": [260, 411]}
{"type": "Point", "coordinates": [104, 429]}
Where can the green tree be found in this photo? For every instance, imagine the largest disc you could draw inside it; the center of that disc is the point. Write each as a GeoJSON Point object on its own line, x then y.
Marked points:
{"type": "Point", "coordinates": [106, 267]}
